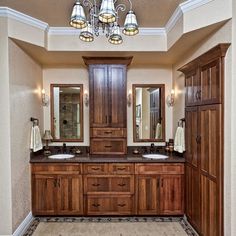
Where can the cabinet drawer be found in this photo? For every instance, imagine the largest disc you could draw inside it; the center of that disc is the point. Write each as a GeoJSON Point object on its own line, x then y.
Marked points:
{"type": "Point", "coordinates": [108, 146]}
{"type": "Point", "coordinates": [159, 169]}
{"type": "Point", "coordinates": [108, 132]}
{"type": "Point", "coordinates": [96, 168]}
{"type": "Point", "coordinates": [56, 168]}
{"type": "Point", "coordinates": [121, 168]}
{"type": "Point", "coordinates": [104, 205]}
{"type": "Point", "coordinates": [122, 184]}
{"type": "Point", "coordinates": [96, 184]}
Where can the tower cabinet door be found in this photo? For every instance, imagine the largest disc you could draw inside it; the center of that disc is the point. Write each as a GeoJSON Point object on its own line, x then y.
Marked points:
{"type": "Point", "coordinates": [70, 195]}
{"type": "Point", "coordinates": [210, 83]}
{"type": "Point", "coordinates": [171, 194]}
{"type": "Point", "coordinates": [148, 197]}
{"type": "Point", "coordinates": [210, 139]}
{"type": "Point", "coordinates": [117, 95]}
{"type": "Point", "coordinates": [191, 133]}
{"type": "Point", "coordinates": [99, 114]}
{"type": "Point", "coordinates": [44, 192]}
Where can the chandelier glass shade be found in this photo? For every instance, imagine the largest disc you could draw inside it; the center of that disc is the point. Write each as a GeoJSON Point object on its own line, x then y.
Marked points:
{"type": "Point", "coordinates": [102, 18]}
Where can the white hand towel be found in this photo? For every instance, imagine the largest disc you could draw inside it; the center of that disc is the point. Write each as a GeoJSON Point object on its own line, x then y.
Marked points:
{"type": "Point", "coordinates": [158, 131]}
{"type": "Point", "coordinates": [35, 141]}
{"type": "Point", "coordinates": [179, 142]}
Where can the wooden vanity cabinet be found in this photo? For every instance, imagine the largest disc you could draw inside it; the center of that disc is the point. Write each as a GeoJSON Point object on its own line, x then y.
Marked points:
{"type": "Point", "coordinates": [109, 189]}
{"type": "Point", "coordinates": [57, 189]}
{"type": "Point", "coordinates": [107, 86]}
{"type": "Point", "coordinates": [160, 189]}
{"type": "Point", "coordinates": [204, 80]}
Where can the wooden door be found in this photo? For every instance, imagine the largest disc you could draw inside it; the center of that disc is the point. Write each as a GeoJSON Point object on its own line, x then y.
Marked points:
{"type": "Point", "coordinates": [210, 83]}
{"type": "Point", "coordinates": [211, 169]}
{"type": "Point", "coordinates": [44, 191]}
{"type": "Point", "coordinates": [210, 211]}
{"type": "Point", "coordinates": [98, 87]}
{"type": "Point", "coordinates": [192, 196]}
{"type": "Point", "coordinates": [117, 95]}
{"type": "Point", "coordinates": [191, 135]}
{"type": "Point", "coordinates": [171, 194]}
{"type": "Point", "coordinates": [192, 88]}
{"type": "Point", "coordinates": [148, 197]}
{"type": "Point", "coordinates": [70, 195]}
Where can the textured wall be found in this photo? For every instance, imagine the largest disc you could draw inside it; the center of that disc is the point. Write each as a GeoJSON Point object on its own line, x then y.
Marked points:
{"type": "Point", "coordinates": [25, 101]}
{"type": "Point", "coordinates": [223, 35]}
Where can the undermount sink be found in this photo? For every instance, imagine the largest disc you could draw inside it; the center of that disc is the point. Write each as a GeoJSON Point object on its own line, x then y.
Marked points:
{"type": "Point", "coordinates": [155, 156]}
{"type": "Point", "coordinates": [61, 156]}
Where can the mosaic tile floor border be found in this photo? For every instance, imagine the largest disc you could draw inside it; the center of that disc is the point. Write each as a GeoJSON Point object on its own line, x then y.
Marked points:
{"type": "Point", "coordinates": [187, 228]}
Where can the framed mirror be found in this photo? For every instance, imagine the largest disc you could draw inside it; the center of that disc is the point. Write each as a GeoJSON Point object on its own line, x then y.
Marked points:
{"type": "Point", "coordinates": [67, 112]}
{"type": "Point", "coordinates": [149, 112]}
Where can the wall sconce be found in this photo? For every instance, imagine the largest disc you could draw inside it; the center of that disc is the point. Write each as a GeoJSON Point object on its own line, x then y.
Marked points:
{"type": "Point", "coordinates": [170, 100]}
{"type": "Point", "coordinates": [45, 98]}
{"type": "Point", "coordinates": [129, 98]}
{"type": "Point", "coordinates": [86, 98]}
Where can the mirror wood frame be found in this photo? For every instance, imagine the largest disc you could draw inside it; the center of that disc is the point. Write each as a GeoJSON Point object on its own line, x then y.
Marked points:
{"type": "Point", "coordinates": [162, 87]}
{"type": "Point", "coordinates": [81, 139]}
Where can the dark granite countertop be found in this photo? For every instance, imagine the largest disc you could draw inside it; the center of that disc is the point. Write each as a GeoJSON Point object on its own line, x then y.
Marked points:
{"type": "Point", "coordinates": [86, 158]}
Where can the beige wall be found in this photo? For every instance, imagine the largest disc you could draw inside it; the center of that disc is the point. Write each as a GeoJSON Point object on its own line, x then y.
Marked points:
{"type": "Point", "coordinates": [223, 35]}
{"type": "Point", "coordinates": [5, 150]}
{"type": "Point", "coordinates": [25, 102]}
{"type": "Point", "coordinates": [160, 75]}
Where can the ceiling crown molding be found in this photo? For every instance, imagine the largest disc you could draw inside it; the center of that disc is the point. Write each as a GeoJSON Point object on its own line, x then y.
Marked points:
{"type": "Point", "coordinates": [16, 15]}
{"type": "Point", "coordinates": [178, 13]}
{"type": "Point", "coordinates": [181, 9]}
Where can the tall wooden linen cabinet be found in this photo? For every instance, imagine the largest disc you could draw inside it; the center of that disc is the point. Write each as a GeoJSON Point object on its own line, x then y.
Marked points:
{"type": "Point", "coordinates": [108, 105]}
{"type": "Point", "coordinates": [204, 113]}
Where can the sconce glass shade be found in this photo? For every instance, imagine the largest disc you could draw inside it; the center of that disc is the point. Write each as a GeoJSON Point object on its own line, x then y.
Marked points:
{"type": "Point", "coordinates": [131, 25]}
{"type": "Point", "coordinates": [170, 100]}
{"type": "Point", "coordinates": [47, 135]}
{"type": "Point", "coordinates": [78, 19]}
{"type": "Point", "coordinates": [86, 34]}
{"type": "Point", "coordinates": [115, 37]}
{"type": "Point", "coordinates": [107, 12]}
{"type": "Point", "coordinates": [45, 98]}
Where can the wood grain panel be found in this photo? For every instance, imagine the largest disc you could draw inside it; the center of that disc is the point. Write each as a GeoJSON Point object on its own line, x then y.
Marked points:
{"type": "Point", "coordinates": [171, 195]}
{"type": "Point", "coordinates": [108, 132]}
{"type": "Point", "coordinates": [148, 197]}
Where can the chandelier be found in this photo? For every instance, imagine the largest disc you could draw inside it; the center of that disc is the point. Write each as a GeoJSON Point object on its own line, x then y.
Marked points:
{"type": "Point", "coordinates": [103, 19]}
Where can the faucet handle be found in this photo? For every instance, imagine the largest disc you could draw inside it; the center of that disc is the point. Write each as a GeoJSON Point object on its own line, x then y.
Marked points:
{"type": "Point", "coordinates": [152, 145]}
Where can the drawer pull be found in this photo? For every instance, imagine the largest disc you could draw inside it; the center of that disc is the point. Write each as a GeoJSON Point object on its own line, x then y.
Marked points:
{"type": "Point", "coordinates": [108, 132]}
{"type": "Point", "coordinates": [121, 185]}
{"type": "Point", "coordinates": [96, 205]}
{"type": "Point", "coordinates": [121, 168]}
{"type": "Point", "coordinates": [95, 168]}
{"type": "Point", "coordinates": [96, 185]}
{"type": "Point", "coordinates": [108, 146]}
{"type": "Point", "coordinates": [121, 205]}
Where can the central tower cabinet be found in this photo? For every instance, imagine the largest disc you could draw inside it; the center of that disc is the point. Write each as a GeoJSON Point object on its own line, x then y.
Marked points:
{"type": "Point", "coordinates": [107, 105]}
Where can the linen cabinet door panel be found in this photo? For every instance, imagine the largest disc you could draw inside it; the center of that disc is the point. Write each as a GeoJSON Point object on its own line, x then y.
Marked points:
{"type": "Point", "coordinates": [171, 195]}
{"type": "Point", "coordinates": [210, 82]}
{"type": "Point", "coordinates": [44, 192]}
{"type": "Point", "coordinates": [99, 113]}
{"type": "Point", "coordinates": [210, 140]}
{"type": "Point", "coordinates": [70, 195]}
{"type": "Point", "coordinates": [209, 211]}
{"type": "Point", "coordinates": [191, 133]}
{"type": "Point", "coordinates": [117, 95]}
{"type": "Point", "coordinates": [148, 197]}
{"type": "Point", "coordinates": [191, 88]}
